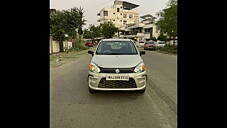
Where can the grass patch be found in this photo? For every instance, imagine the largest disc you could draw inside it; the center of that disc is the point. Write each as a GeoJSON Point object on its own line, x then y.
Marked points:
{"type": "Point", "coordinates": [169, 49]}
{"type": "Point", "coordinates": [59, 59]}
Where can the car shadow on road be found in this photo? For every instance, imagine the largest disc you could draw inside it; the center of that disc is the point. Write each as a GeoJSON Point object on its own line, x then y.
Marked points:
{"type": "Point", "coordinates": [109, 97]}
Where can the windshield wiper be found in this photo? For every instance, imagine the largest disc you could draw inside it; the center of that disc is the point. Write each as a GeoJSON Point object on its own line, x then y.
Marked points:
{"type": "Point", "coordinates": [116, 53]}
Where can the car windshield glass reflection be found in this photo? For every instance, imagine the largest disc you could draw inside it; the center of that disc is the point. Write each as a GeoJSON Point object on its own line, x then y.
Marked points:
{"type": "Point", "coordinates": [116, 48]}
{"type": "Point", "coordinates": [149, 42]}
{"type": "Point", "coordinates": [161, 42]}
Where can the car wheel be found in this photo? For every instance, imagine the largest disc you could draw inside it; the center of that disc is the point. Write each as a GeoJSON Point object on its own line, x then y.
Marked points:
{"type": "Point", "coordinates": [91, 91]}
{"type": "Point", "coordinates": [142, 91]}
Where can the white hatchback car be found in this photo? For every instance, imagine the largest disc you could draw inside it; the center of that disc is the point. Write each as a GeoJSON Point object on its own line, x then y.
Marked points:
{"type": "Point", "coordinates": [116, 64]}
{"type": "Point", "coordinates": [160, 44]}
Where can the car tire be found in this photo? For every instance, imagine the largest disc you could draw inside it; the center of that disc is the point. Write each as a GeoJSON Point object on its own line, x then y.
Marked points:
{"type": "Point", "coordinates": [142, 91]}
{"type": "Point", "coordinates": [91, 91]}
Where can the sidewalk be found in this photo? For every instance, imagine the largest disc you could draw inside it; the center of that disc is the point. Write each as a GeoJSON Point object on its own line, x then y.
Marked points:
{"type": "Point", "coordinates": [59, 59]}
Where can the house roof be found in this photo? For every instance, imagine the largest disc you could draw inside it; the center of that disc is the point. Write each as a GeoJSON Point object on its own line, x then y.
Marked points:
{"type": "Point", "coordinates": [128, 5]}
{"type": "Point", "coordinates": [147, 15]}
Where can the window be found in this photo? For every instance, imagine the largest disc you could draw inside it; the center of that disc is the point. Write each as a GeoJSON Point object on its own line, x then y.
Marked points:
{"type": "Point", "coordinates": [114, 13]}
{"type": "Point", "coordinates": [125, 16]}
{"type": "Point", "coordinates": [125, 21]}
{"type": "Point", "coordinates": [113, 20]}
{"type": "Point", "coordinates": [118, 9]}
{"type": "Point", "coordinates": [149, 42]}
{"type": "Point", "coordinates": [147, 30]}
{"type": "Point", "coordinates": [121, 13]}
{"type": "Point", "coordinates": [105, 13]}
{"type": "Point", "coordinates": [161, 42]}
{"type": "Point", "coordinates": [130, 16]}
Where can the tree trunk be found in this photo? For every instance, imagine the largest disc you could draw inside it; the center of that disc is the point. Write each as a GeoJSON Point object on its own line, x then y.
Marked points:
{"type": "Point", "coordinates": [74, 43]}
{"type": "Point", "coordinates": [52, 47]}
{"type": "Point", "coordinates": [61, 45]}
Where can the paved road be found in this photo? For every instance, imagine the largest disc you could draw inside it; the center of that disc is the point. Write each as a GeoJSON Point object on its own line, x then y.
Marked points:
{"type": "Point", "coordinates": [72, 106]}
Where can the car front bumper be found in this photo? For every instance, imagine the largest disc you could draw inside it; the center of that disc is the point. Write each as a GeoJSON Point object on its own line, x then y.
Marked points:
{"type": "Point", "coordinates": [139, 78]}
{"type": "Point", "coordinates": [149, 47]}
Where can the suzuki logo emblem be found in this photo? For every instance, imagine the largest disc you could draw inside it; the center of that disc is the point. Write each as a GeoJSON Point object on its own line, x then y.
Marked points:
{"type": "Point", "coordinates": [117, 71]}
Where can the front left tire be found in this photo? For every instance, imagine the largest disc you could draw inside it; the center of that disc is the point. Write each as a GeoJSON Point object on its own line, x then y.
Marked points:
{"type": "Point", "coordinates": [91, 90]}
{"type": "Point", "coordinates": [142, 91]}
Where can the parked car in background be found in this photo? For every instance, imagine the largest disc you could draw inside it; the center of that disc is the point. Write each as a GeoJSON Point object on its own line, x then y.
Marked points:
{"type": "Point", "coordinates": [160, 44]}
{"type": "Point", "coordinates": [89, 44]}
{"type": "Point", "coordinates": [141, 44]}
{"type": "Point", "coordinates": [149, 45]}
{"type": "Point", "coordinates": [176, 43]}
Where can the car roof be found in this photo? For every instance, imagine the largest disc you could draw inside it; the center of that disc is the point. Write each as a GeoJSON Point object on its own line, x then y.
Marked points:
{"type": "Point", "coordinates": [116, 39]}
{"type": "Point", "coordinates": [150, 41]}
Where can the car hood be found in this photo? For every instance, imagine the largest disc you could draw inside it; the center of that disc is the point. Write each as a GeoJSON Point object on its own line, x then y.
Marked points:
{"type": "Point", "coordinates": [116, 61]}
{"type": "Point", "coordinates": [150, 44]}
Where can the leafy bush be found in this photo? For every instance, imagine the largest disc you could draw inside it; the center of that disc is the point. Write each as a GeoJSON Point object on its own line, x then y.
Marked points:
{"type": "Point", "coordinates": [78, 45]}
{"type": "Point", "coordinates": [161, 37]}
{"type": "Point", "coordinates": [153, 38]}
{"type": "Point", "coordinates": [108, 29]}
{"type": "Point", "coordinates": [169, 49]}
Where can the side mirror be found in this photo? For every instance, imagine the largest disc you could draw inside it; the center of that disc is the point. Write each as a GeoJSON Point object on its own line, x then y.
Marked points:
{"type": "Point", "coordinates": [142, 53]}
{"type": "Point", "coordinates": [91, 52]}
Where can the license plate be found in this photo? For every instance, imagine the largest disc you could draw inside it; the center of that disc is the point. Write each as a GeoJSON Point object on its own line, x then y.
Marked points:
{"type": "Point", "coordinates": [117, 77]}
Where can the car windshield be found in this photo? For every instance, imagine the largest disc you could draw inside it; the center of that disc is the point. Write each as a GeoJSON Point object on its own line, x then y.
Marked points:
{"type": "Point", "coordinates": [116, 48]}
{"type": "Point", "coordinates": [161, 42]}
{"type": "Point", "coordinates": [149, 42]}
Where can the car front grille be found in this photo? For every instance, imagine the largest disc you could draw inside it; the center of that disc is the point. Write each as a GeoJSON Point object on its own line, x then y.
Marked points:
{"type": "Point", "coordinates": [117, 83]}
{"type": "Point", "coordinates": [113, 70]}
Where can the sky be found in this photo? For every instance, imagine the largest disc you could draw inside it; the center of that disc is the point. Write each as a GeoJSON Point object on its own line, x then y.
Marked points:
{"type": "Point", "coordinates": [92, 7]}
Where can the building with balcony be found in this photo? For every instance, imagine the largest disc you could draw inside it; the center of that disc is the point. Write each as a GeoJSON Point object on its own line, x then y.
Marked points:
{"type": "Point", "coordinates": [121, 14]}
{"type": "Point", "coordinates": [142, 31]}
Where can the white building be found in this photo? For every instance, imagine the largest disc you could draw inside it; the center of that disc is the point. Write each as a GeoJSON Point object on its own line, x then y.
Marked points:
{"type": "Point", "coordinates": [120, 14]}
{"type": "Point", "coordinates": [149, 28]}
{"type": "Point", "coordinates": [142, 31]}
{"type": "Point", "coordinates": [124, 16]}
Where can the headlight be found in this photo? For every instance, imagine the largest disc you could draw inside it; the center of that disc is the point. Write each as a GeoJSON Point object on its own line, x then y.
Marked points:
{"type": "Point", "coordinates": [140, 68]}
{"type": "Point", "coordinates": [94, 68]}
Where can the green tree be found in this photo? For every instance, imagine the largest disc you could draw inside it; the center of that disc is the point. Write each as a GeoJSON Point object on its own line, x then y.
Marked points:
{"type": "Point", "coordinates": [93, 32]}
{"type": "Point", "coordinates": [81, 20]}
{"type": "Point", "coordinates": [71, 18]}
{"type": "Point", "coordinates": [87, 34]}
{"type": "Point", "coordinates": [108, 29]}
{"type": "Point", "coordinates": [153, 38]}
{"type": "Point", "coordinates": [75, 22]}
{"type": "Point", "coordinates": [96, 31]}
{"type": "Point", "coordinates": [168, 19]}
{"type": "Point", "coordinates": [57, 27]}
{"type": "Point", "coordinates": [162, 37]}
{"type": "Point", "coordinates": [66, 22]}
